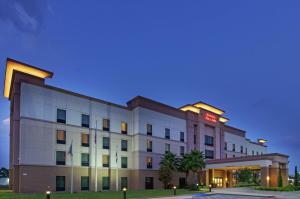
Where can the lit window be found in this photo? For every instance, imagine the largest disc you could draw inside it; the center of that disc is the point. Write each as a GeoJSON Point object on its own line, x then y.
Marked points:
{"type": "Point", "coordinates": [123, 127]}
{"type": "Point", "coordinates": [85, 120]}
{"type": "Point", "coordinates": [105, 160]}
{"type": "Point", "coordinates": [149, 162]}
{"type": "Point", "coordinates": [85, 140]}
{"type": "Point", "coordinates": [124, 162]}
{"type": "Point", "coordinates": [105, 124]}
{"type": "Point", "coordinates": [61, 137]}
{"type": "Point", "coordinates": [61, 116]}
{"type": "Point", "coordinates": [149, 146]}
{"type": "Point", "coordinates": [149, 129]}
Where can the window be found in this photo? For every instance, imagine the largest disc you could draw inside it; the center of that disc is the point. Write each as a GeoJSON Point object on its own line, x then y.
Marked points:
{"type": "Point", "coordinates": [149, 162]}
{"type": "Point", "coordinates": [105, 183]}
{"type": "Point", "coordinates": [195, 134]}
{"type": "Point", "coordinates": [85, 183]}
{"type": "Point", "coordinates": [106, 143]}
{"type": "Point", "coordinates": [233, 156]}
{"type": "Point", "coordinates": [124, 161]}
{"type": "Point", "coordinates": [124, 145]}
{"type": "Point", "coordinates": [60, 137]}
{"type": "Point", "coordinates": [167, 148]}
{"type": "Point", "coordinates": [246, 151]}
{"type": "Point", "coordinates": [60, 183]}
{"type": "Point", "coordinates": [149, 146]}
{"type": "Point", "coordinates": [105, 160]}
{"type": "Point", "coordinates": [182, 182]}
{"type": "Point", "coordinates": [123, 127]}
{"type": "Point", "coordinates": [242, 149]}
{"type": "Point", "coordinates": [85, 120]}
{"type": "Point", "coordinates": [149, 183]}
{"type": "Point", "coordinates": [167, 133]}
{"type": "Point", "coordinates": [124, 182]}
{"type": "Point", "coordinates": [209, 141]}
{"type": "Point", "coordinates": [252, 152]}
{"type": "Point", "coordinates": [106, 125]}
{"type": "Point", "coordinates": [225, 155]}
{"type": "Point", "coordinates": [195, 138]}
{"type": "Point", "coordinates": [256, 152]}
{"type": "Point", "coordinates": [181, 136]}
{"type": "Point", "coordinates": [149, 129]}
{"type": "Point", "coordinates": [85, 159]}
{"type": "Point", "coordinates": [61, 116]}
{"type": "Point", "coordinates": [233, 147]}
{"type": "Point", "coordinates": [182, 150]}
{"type": "Point", "coordinates": [225, 147]}
{"type": "Point", "coordinates": [60, 158]}
{"type": "Point", "coordinates": [85, 140]}
{"type": "Point", "coordinates": [209, 154]}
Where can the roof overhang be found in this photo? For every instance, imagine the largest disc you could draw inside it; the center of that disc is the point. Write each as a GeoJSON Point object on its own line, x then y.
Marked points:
{"type": "Point", "coordinates": [16, 66]}
{"type": "Point", "coordinates": [209, 108]}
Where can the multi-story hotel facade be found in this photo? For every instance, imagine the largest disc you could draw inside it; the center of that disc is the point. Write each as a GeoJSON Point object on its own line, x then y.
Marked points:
{"type": "Point", "coordinates": [63, 141]}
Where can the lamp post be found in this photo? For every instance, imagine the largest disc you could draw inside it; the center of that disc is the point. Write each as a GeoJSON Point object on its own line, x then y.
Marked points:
{"type": "Point", "coordinates": [48, 193]}
{"type": "Point", "coordinates": [209, 187]}
{"type": "Point", "coordinates": [174, 189]}
{"type": "Point", "coordinates": [197, 186]}
{"type": "Point", "coordinates": [124, 192]}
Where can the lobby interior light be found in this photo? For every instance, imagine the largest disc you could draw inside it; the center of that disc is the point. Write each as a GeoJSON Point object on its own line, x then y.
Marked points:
{"type": "Point", "coordinates": [268, 178]}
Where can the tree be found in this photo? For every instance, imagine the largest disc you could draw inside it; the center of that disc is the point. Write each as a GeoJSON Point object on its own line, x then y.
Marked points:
{"type": "Point", "coordinates": [296, 178]}
{"type": "Point", "coordinates": [4, 172]}
{"type": "Point", "coordinates": [196, 163]}
{"type": "Point", "coordinates": [184, 165]}
{"type": "Point", "coordinates": [245, 175]}
{"type": "Point", "coordinates": [167, 165]}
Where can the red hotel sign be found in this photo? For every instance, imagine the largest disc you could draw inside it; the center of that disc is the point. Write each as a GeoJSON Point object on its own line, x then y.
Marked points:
{"type": "Point", "coordinates": [210, 117]}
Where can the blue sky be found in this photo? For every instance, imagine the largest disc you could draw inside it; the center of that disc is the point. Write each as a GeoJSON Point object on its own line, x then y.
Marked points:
{"type": "Point", "coordinates": [241, 56]}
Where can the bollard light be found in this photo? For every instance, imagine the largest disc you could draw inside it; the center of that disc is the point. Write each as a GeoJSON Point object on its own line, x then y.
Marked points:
{"type": "Point", "coordinates": [48, 194]}
{"type": "Point", "coordinates": [174, 188]}
{"type": "Point", "coordinates": [209, 187]}
{"type": "Point", "coordinates": [197, 185]}
{"type": "Point", "coordinates": [124, 192]}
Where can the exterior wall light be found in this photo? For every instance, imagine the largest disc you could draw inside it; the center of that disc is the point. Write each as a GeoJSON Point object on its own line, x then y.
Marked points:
{"type": "Point", "coordinates": [209, 187]}
{"type": "Point", "coordinates": [124, 192]}
{"type": "Point", "coordinates": [48, 194]}
{"type": "Point", "coordinates": [174, 188]}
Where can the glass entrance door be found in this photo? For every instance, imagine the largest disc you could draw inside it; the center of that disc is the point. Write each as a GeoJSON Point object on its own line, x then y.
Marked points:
{"type": "Point", "coordinates": [218, 181]}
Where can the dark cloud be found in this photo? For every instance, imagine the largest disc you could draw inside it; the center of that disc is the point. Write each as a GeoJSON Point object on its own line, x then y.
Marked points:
{"type": "Point", "coordinates": [27, 16]}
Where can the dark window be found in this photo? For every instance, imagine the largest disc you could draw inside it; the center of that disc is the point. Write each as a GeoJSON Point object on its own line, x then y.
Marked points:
{"type": "Point", "coordinates": [149, 146]}
{"type": "Point", "coordinates": [106, 142]}
{"type": "Point", "coordinates": [106, 125]}
{"type": "Point", "coordinates": [195, 139]}
{"type": "Point", "coordinates": [225, 155]}
{"type": "Point", "coordinates": [252, 152]}
{"type": "Point", "coordinates": [85, 159]}
{"type": "Point", "coordinates": [124, 162]}
{"type": "Point", "coordinates": [60, 158]}
{"type": "Point", "coordinates": [149, 129]}
{"type": "Point", "coordinates": [246, 151]}
{"type": "Point", "coordinates": [124, 145]}
{"type": "Point", "coordinates": [85, 120]}
{"type": "Point", "coordinates": [105, 183]}
{"type": "Point", "coordinates": [85, 183]}
{"type": "Point", "coordinates": [123, 127]}
{"type": "Point", "coordinates": [233, 147]}
{"type": "Point", "coordinates": [195, 133]}
{"type": "Point", "coordinates": [148, 182]}
{"type": "Point", "coordinates": [124, 182]}
{"type": "Point", "coordinates": [167, 148]}
{"type": "Point", "coordinates": [209, 141]}
{"type": "Point", "coordinates": [233, 156]}
{"type": "Point", "coordinates": [225, 146]}
{"type": "Point", "coordinates": [167, 133]}
{"type": "Point", "coordinates": [182, 136]}
{"type": "Point", "coordinates": [257, 153]}
{"type": "Point", "coordinates": [61, 116]}
{"type": "Point", "coordinates": [149, 162]}
{"type": "Point", "coordinates": [105, 160]}
{"type": "Point", "coordinates": [209, 154]}
{"type": "Point", "coordinates": [85, 140]}
{"type": "Point", "coordinates": [182, 182]}
{"type": "Point", "coordinates": [60, 183]}
{"type": "Point", "coordinates": [242, 149]}
{"type": "Point", "coordinates": [182, 150]}
{"type": "Point", "coordinates": [61, 137]}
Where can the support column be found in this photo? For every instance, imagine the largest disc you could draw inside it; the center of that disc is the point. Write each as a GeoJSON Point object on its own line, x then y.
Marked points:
{"type": "Point", "coordinates": [285, 174]}
{"type": "Point", "coordinates": [225, 179]}
{"type": "Point", "coordinates": [230, 178]}
{"type": "Point", "coordinates": [265, 178]}
{"type": "Point", "coordinates": [207, 177]}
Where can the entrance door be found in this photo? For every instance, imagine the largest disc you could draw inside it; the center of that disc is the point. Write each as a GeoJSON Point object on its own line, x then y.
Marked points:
{"type": "Point", "coordinates": [218, 181]}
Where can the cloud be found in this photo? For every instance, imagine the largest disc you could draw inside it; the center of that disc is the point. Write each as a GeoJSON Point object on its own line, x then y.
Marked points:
{"type": "Point", "coordinates": [27, 16]}
{"type": "Point", "coordinates": [6, 121]}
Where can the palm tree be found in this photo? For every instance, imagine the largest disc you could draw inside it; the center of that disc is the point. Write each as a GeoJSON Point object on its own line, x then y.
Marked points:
{"type": "Point", "coordinates": [196, 163]}
{"type": "Point", "coordinates": [168, 164]}
{"type": "Point", "coordinates": [184, 165]}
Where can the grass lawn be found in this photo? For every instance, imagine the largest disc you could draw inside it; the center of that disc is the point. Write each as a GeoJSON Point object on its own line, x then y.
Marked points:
{"type": "Point", "coordinates": [99, 195]}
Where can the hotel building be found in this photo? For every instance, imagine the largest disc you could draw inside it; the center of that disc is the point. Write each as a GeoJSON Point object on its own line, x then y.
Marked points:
{"type": "Point", "coordinates": [61, 140]}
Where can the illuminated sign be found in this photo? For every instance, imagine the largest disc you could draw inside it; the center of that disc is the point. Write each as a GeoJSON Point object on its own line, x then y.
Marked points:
{"type": "Point", "coordinates": [210, 117]}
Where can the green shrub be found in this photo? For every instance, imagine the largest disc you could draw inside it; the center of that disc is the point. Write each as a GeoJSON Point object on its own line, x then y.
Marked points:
{"type": "Point", "coordinates": [286, 188]}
